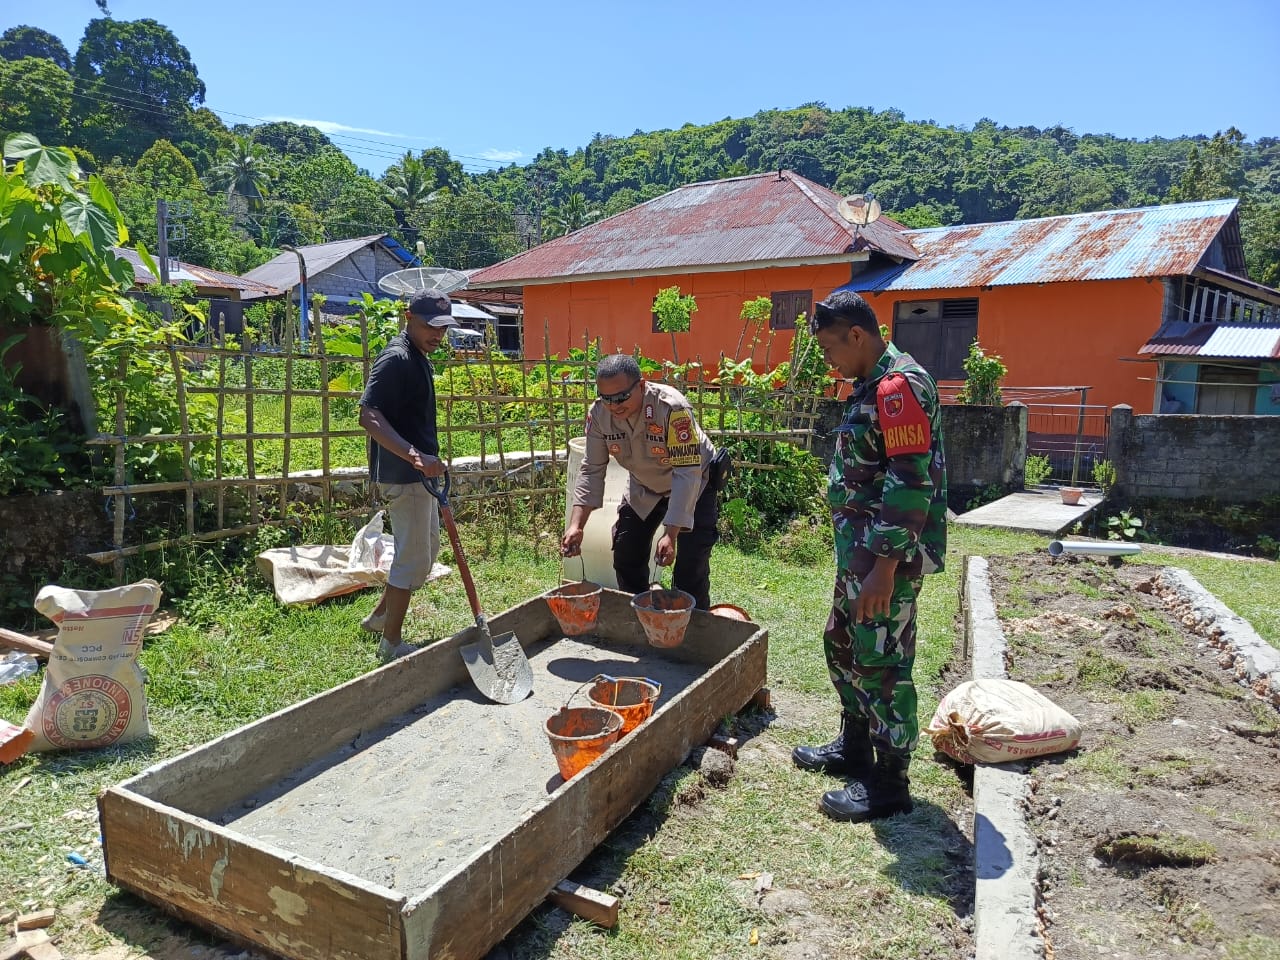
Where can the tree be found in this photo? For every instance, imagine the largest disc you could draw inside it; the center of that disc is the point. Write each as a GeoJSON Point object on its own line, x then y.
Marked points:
{"type": "Point", "coordinates": [1215, 172]}
{"type": "Point", "coordinates": [135, 83]}
{"type": "Point", "coordinates": [35, 97]}
{"type": "Point", "coordinates": [410, 188]}
{"type": "Point", "coordinates": [24, 41]}
{"type": "Point", "coordinates": [467, 230]}
{"type": "Point", "coordinates": [570, 216]}
{"type": "Point", "coordinates": [242, 172]}
{"type": "Point", "coordinates": [287, 139]}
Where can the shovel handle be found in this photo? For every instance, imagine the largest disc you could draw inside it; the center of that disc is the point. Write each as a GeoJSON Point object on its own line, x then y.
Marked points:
{"type": "Point", "coordinates": [441, 493]}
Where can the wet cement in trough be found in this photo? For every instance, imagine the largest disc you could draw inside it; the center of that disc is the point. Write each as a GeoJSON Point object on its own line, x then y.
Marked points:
{"type": "Point", "coordinates": [409, 801]}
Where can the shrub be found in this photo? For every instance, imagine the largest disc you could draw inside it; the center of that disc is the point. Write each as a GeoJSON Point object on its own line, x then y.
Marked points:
{"type": "Point", "coordinates": [983, 374]}
{"type": "Point", "coordinates": [1037, 470]}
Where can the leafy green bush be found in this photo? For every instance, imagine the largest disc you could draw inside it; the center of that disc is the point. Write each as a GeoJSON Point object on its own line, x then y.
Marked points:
{"type": "Point", "coordinates": [1037, 470]}
{"type": "Point", "coordinates": [791, 490]}
{"type": "Point", "coordinates": [38, 448]}
{"type": "Point", "coordinates": [1104, 475]}
{"type": "Point", "coordinates": [983, 374]}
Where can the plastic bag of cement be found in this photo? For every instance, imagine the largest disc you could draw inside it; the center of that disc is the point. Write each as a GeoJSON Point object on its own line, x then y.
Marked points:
{"type": "Point", "coordinates": [92, 694]}
{"type": "Point", "coordinates": [996, 721]}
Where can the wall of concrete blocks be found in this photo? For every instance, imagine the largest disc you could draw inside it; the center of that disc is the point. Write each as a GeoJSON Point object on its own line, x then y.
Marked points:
{"type": "Point", "coordinates": [353, 275]}
{"type": "Point", "coordinates": [1183, 457]}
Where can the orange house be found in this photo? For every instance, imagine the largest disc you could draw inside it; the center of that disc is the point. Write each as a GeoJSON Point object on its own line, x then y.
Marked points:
{"type": "Point", "coordinates": [1066, 301]}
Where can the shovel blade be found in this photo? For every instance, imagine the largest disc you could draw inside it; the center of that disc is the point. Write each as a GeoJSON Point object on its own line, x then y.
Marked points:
{"type": "Point", "coordinates": [498, 667]}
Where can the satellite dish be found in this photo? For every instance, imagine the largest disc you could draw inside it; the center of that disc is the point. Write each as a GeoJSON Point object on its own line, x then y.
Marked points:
{"type": "Point", "coordinates": [859, 208]}
{"type": "Point", "coordinates": [409, 283]}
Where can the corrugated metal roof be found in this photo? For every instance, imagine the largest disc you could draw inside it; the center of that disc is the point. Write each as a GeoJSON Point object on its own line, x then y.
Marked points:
{"type": "Point", "coordinates": [762, 218]}
{"type": "Point", "coordinates": [1162, 241]}
{"type": "Point", "coordinates": [281, 271]}
{"type": "Point", "coordinates": [203, 277]}
{"type": "Point", "coordinates": [1214, 341]}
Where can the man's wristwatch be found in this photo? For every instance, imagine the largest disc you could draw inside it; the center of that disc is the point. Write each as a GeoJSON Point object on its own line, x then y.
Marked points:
{"type": "Point", "coordinates": [412, 452]}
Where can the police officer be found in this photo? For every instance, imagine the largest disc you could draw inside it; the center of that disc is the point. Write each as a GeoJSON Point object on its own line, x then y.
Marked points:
{"type": "Point", "coordinates": [887, 490]}
{"type": "Point", "coordinates": [650, 430]}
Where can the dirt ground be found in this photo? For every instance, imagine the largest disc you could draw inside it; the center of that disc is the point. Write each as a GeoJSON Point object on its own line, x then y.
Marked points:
{"type": "Point", "coordinates": [1160, 836]}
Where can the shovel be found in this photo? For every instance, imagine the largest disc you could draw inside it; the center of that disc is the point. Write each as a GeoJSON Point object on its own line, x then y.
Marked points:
{"type": "Point", "coordinates": [498, 667]}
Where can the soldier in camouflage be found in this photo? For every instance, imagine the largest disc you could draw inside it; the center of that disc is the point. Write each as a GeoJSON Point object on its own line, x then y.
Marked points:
{"type": "Point", "coordinates": [888, 494]}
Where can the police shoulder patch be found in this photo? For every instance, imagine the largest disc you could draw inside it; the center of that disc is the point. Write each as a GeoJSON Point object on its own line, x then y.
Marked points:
{"type": "Point", "coordinates": [682, 439]}
{"type": "Point", "coordinates": [903, 421]}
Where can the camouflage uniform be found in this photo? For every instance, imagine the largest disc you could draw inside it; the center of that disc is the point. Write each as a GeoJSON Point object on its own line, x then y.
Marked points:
{"type": "Point", "coordinates": [888, 494]}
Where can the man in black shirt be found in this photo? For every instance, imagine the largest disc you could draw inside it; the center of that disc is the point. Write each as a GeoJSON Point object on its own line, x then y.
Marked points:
{"type": "Point", "coordinates": [398, 411]}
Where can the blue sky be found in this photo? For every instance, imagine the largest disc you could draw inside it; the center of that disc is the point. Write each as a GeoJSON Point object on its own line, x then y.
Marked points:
{"type": "Point", "coordinates": [497, 81]}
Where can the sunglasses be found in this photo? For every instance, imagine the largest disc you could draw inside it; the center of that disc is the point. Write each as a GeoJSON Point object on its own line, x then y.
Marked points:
{"type": "Point", "coordinates": [613, 399]}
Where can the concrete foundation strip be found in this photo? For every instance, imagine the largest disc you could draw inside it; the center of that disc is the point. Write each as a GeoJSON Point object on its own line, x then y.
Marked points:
{"type": "Point", "coordinates": [1256, 663]}
{"type": "Point", "coordinates": [1006, 925]}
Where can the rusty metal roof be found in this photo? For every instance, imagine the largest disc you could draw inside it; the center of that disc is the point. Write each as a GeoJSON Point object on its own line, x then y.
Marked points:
{"type": "Point", "coordinates": [1214, 341]}
{"type": "Point", "coordinates": [750, 221]}
{"type": "Point", "coordinates": [204, 278]}
{"type": "Point", "coordinates": [1162, 241]}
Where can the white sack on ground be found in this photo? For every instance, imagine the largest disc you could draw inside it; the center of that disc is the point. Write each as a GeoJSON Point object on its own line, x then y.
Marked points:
{"type": "Point", "coordinates": [995, 721]}
{"type": "Point", "coordinates": [92, 694]}
{"type": "Point", "coordinates": [308, 574]}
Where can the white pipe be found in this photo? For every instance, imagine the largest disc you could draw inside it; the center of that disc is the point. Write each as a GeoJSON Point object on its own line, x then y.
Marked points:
{"type": "Point", "coordinates": [1059, 547]}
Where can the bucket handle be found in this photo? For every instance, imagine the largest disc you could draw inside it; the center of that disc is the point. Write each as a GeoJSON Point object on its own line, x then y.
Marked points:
{"type": "Point", "coordinates": [608, 679]}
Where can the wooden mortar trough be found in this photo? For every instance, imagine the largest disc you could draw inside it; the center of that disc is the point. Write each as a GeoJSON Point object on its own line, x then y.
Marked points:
{"type": "Point", "coordinates": [402, 815]}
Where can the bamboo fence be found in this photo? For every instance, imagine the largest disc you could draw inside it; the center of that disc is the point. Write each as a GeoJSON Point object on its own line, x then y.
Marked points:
{"type": "Point", "coordinates": [542, 401]}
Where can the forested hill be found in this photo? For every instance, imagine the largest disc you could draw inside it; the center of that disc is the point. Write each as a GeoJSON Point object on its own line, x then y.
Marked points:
{"type": "Point", "coordinates": [130, 102]}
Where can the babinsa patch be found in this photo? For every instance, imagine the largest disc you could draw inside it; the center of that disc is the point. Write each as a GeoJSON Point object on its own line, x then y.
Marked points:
{"type": "Point", "coordinates": [902, 420]}
{"type": "Point", "coordinates": [682, 440]}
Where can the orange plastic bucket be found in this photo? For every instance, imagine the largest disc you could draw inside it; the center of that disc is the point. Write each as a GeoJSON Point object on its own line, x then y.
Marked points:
{"type": "Point", "coordinates": [664, 614]}
{"type": "Point", "coordinates": [730, 612]}
{"type": "Point", "coordinates": [575, 606]}
{"type": "Point", "coordinates": [579, 735]}
{"type": "Point", "coordinates": [631, 698]}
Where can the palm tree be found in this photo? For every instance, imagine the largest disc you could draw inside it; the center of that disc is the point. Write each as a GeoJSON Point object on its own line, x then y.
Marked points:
{"type": "Point", "coordinates": [242, 171]}
{"type": "Point", "coordinates": [410, 188]}
{"type": "Point", "coordinates": [570, 216]}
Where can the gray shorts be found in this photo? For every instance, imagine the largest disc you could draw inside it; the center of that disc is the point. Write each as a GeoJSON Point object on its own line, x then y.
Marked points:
{"type": "Point", "coordinates": [415, 526]}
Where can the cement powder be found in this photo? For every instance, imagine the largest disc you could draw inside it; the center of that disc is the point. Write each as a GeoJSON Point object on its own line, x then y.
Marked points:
{"type": "Point", "coordinates": [408, 802]}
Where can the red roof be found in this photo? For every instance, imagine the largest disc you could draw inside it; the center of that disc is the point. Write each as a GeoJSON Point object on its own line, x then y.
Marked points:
{"type": "Point", "coordinates": [743, 222]}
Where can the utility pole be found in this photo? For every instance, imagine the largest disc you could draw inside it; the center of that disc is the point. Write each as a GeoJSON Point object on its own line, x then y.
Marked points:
{"type": "Point", "coordinates": [162, 234]}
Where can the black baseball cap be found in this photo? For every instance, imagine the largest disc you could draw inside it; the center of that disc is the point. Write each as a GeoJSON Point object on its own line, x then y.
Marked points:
{"type": "Point", "coordinates": [434, 308]}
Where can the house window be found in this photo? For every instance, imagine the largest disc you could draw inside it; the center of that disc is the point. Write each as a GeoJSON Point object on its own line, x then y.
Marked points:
{"type": "Point", "coordinates": [1227, 390]}
{"type": "Point", "coordinates": [788, 305]}
{"type": "Point", "coordinates": [937, 333]}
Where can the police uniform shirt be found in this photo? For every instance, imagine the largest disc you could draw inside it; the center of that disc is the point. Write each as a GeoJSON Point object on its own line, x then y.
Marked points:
{"type": "Point", "coordinates": [663, 449]}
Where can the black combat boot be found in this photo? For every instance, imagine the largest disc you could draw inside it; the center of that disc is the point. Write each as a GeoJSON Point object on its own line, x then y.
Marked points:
{"type": "Point", "coordinates": [882, 794]}
{"type": "Point", "coordinates": [849, 754]}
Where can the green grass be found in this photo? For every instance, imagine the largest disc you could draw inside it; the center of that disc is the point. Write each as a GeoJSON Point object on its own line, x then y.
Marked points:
{"type": "Point", "coordinates": [1249, 588]}
{"type": "Point", "coordinates": [236, 655]}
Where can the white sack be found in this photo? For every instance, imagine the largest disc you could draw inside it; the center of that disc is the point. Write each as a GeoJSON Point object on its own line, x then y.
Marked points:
{"type": "Point", "coordinates": [995, 721]}
{"type": "Point", "coordinates": [92, 693]}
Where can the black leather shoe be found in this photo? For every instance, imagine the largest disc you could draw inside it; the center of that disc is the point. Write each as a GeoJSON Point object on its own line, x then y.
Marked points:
{"type": "Point", "coordinates": [849, 754]}
{"type": "Point", "coordinates": [884, 793]}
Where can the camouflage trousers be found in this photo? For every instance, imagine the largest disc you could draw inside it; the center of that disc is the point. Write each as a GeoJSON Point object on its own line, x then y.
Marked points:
{"type": "Point", "coordinates": [870, 662]}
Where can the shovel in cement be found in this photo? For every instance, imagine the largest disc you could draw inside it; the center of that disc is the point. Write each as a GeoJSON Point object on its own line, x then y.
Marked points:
{"type": "Point", "coordinates": [498, 667]}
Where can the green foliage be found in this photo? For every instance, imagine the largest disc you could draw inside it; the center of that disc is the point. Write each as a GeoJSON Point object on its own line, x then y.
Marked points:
{"type": "Point", "coordinates": [1125, 526]}
{"type": "Point", "coordinates": [792, 489]}
{"type": "Point", "coordinates": [675, 314]}
{"type": "Point", "coordinates": [39, 450]}
{"type": "Point", "coordinates": [983, 374]}
{"type": "Point", "coordinates": [136, 83]}
{"type": "Point", "coordinates": [22, 41]}
{"type": "Point", "coordinates": [755, 313]}
{"type": "Point", "coordinates": [35, 96]}
{"type": "Point", "coordinates": [1104, 475]}
{"type": "Point", "coordinates": [1037, 470]}
{"type": "Point", "coordinates": [744, 524]}
{"type": "Point", "coordinates": [988, 494]}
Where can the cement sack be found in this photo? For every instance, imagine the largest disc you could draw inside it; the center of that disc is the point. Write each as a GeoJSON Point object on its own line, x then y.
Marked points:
{"type": "Point", "coordinates": [996, 721]}
{"type": "Point", "coordinates": [308, 574]}
{"type": "Point", "coordinates": [92, 694]}
{"type": "Point", "coordinates": [305, 575]}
